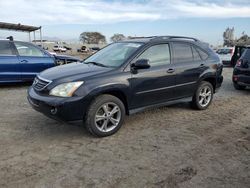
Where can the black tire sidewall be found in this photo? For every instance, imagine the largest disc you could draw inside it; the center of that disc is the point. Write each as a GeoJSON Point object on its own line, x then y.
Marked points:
{"type": "Point", "coordinates": [94, 106]}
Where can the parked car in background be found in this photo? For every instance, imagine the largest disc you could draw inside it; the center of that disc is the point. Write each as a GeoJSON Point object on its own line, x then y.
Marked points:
{"type": "Point", "coordinates": [127, 77]}
{"type": "Point", "coordinates": [226, 54]}
{"type": "Point", "coordinates": [22, 61]}
{"type": "Point", "coordinates": [83, 49]}
{"type": "Point", "coordinates": [238, 51]}
{"type": "Point", "coordinates": [241, 73]}
{"type": "Point", "coordinates": [67, 48]}
{"type": "Point", "coordinates": [59, 49]}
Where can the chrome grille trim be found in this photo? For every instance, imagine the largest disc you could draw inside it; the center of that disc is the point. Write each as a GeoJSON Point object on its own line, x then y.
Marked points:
{"type": "Point", "coordinates": [40, 83]}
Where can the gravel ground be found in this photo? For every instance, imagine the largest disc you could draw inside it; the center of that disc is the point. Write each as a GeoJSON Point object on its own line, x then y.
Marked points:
{"type": "Point", "coordinates": [168, 147]}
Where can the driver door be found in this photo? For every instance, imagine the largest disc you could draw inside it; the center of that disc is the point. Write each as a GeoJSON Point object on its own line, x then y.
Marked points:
{"type": "Point", "coordinates": [156, 84]}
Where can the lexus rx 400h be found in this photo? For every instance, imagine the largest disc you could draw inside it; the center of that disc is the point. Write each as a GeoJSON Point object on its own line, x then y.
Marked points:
{"type": "Point", "coordinates": [127, 77]}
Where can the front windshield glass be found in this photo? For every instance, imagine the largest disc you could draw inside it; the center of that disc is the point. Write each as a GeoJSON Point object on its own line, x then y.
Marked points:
{"type": "Point", "coordinates": [114, 55]}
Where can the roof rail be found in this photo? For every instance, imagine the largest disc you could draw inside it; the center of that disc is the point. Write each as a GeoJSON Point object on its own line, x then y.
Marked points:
{"type": "Point", "coordinates": [175, 37]}
{"type": "Point", "coordinates": [150, 37]}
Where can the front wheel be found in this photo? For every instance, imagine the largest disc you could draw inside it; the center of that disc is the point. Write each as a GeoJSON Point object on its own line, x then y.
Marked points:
{"type": "Point", "coordinates": [105, 116]}
{"type": "Point", "coordinates": [203, 96]}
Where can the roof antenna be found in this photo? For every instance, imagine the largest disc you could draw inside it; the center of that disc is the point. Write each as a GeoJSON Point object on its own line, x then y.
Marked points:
{"type": "Point", "coordinates": [10, 38]}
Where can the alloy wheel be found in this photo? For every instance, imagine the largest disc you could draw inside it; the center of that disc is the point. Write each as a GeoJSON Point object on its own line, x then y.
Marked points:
{"type": "Point", "coordinates": [205, 96]}
{"type": "Point", "coordinates": [107, 117]}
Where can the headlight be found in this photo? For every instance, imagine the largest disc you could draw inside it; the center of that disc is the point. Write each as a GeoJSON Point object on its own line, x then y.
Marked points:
{"type": "Point", "coordinates": [66, 89]}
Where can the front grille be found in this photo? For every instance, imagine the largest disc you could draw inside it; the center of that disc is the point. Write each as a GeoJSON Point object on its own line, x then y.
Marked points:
{"type": "Point", "coordinates": [40, 83]}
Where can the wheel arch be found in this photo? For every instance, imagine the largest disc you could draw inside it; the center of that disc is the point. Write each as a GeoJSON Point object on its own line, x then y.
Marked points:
{"type": "Point", "coordinates": [211, 79]}
{"type": "Point", "coordinates": [116, 92]}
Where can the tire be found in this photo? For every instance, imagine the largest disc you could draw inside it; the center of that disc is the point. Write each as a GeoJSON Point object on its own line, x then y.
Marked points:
{"type": "Point", "coordinates": [105, 116]}
{"type": "Point", "coordinates": [203, 96]}
{"type": "Point", "coordinates": [239, 87]}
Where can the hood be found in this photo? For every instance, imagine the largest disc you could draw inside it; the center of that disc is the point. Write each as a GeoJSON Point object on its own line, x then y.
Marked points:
{"type": "Point", "coordinates": [72, 71]}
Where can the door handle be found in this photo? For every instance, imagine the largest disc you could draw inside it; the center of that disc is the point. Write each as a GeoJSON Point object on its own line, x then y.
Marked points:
{"type": "Point", "coordinates": [170, 71]}
{"type": "Point", "coordinates": [24, 61]}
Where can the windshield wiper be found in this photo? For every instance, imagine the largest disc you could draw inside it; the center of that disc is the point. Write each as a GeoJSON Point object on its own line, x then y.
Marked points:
{"type": "Point", "coordinates": [96, 63]}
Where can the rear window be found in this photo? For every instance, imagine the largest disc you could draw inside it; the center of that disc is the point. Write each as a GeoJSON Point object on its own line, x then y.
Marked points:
{"type": "Point", "coordinates": [182, 53]}
{"type": "Point", "coordinates": [246, 54]}
{"type": "Point", "coordinates": [5, 48]}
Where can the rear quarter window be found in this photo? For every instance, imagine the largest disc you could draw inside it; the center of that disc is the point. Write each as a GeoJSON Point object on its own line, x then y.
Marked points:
{"type": "Point", "coordinates": [5, 48]}
{"type": "Point", "coordinates": [196, 54]}
{"type": "Point", "coordinates": [202, 53]}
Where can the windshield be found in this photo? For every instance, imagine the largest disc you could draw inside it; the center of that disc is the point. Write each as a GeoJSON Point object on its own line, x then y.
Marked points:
{"type": "Point", "coordinates": [113, 55]}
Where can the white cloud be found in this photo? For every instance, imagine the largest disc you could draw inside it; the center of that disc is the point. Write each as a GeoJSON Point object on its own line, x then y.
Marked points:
{"type": "Point", "coordinates": [99, 11]}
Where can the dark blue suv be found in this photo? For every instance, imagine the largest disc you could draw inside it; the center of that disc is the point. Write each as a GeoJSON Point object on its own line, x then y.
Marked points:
{"type": "Point", "coordinates": [22, 61]}
{"type": "Point", "coordinates": [127, 77]}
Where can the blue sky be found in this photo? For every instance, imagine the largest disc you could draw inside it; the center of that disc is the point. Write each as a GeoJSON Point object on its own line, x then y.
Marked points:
{"type": "Point", "coordinates": [66, 19]}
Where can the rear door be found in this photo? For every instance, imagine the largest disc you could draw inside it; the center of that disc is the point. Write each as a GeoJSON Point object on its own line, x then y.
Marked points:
{"type": "Point", "coordinates": [9, 63]}
{"type": "Point", "coordinates": [32, 60]}
{"type": "Point", "coordinates": [189, 66]}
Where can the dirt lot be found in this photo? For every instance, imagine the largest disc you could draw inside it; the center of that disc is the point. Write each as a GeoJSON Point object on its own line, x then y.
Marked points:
{"type": "Point", "coordinates": [168, 147]}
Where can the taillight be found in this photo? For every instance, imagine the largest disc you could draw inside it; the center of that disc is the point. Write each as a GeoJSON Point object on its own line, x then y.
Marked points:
{"type": "Point", "coordinates": [239, 62]}
{"type": "Point", "coordinates": [231, 52]}
{"type": "Point", "coordinates": [235, 78]}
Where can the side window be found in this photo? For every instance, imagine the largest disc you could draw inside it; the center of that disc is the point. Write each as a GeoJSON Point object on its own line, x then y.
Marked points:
{"type": "Point", "coordinates": [157, 55]}
{"type": "Point", "coordinates": [203, 54]}
{"type": "Point", "coordinates": [196, 55]}
{"type": "Point", "coordinates": [25, 49]}
{"type": "Point", "coordinates": [5, 48]}
{"type": "Point", "coordinates": [182, 52]}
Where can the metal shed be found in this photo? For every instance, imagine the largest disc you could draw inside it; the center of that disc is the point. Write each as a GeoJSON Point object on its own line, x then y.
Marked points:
{"type": "Point", "coordinates": [22, 28]}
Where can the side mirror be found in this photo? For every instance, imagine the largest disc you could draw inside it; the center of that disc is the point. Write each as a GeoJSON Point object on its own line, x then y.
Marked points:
{"type": "Point", "coordinates": [141, 64]}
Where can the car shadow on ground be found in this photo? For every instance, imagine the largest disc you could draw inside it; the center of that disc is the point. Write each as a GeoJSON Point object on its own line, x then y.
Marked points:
{"type": "Point", "coordinates": [15, 85]}
{"type": "Point", "coordinates": [53, 128]}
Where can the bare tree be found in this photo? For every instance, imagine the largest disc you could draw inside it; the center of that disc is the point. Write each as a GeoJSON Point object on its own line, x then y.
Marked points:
{"type": "Point", "coordinates": [92, 38]}
{"type": "Point", "coordinates": [243, 40]}
{"type": "Point", "coordinates": [228, 37]}
{"type": "Point", "coordinates": [117, 37]}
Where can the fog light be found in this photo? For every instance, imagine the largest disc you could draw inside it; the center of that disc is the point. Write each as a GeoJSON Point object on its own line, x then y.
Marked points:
{"type": "Point", "coordinates": [53, 111]}
{"type": "Point", "coordinates": [235, 78]}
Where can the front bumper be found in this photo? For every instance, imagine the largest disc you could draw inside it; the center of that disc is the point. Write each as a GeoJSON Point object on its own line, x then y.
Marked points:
{"type": "Point", "coordinates": [59, 108]}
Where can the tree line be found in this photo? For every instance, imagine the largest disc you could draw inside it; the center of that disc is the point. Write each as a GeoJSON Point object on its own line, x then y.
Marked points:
{"type": "Point", "coordinates": [98, 38]}
{"type": "Point", "coordinates": [231, 40]}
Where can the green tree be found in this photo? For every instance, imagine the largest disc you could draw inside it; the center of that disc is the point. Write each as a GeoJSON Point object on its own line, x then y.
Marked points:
{"type": "Point", "coordinates": [117, 37]}
{"type": "Point", "coordinates": [92, 38]}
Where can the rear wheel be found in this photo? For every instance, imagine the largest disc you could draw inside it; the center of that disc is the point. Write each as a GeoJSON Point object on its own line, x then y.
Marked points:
{"type": "Point", "coordinates": [105, 116]}
{"type": "Point", "coordinates": [239, 87]}
{"type": "Point", "coordinates": [203, 96]}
